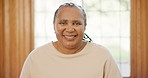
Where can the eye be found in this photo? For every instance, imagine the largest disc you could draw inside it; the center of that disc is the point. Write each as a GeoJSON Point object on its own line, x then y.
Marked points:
{"type": "Point", "coordinates": [62, 23]}
{"type": "Point", "coordinates": [77, 23]}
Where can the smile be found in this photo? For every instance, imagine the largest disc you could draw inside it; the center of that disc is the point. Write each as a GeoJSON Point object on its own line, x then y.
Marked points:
{"type": "Point", "coordinates": [70, 37]}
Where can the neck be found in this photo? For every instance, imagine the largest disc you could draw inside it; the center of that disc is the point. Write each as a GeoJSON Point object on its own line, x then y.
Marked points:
{"type": "Point", "coordinates": [65, 50]}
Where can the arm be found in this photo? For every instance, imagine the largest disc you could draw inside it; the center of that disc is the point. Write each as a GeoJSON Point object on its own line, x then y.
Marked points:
{"type": "Point", "coordinates": [111, 69]}
{"type": "Point", "coordinates": [25, 73]}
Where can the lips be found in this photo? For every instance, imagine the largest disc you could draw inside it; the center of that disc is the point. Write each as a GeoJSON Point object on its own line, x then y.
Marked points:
{"type": "Point", "coordinates": [70, 37]}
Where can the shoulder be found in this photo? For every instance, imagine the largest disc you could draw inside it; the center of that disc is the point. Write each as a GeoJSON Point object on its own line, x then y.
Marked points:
{"type": "Point", "coordinates": [99, 50]}
{"type": "Point", "coordinates": [40, 51]}
{"type": "Point", "coordinates": [97, 47]}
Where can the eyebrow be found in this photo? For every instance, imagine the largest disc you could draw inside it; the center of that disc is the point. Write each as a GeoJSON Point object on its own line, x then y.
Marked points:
{"type": "Point", "coordinates": [76, 21]}
{"type": "Point", "coordinates": [65, 20]}
{"type": "Point", "coordinates": [71, 20]}
{"type": "Point", "coordinates": [62, 20]}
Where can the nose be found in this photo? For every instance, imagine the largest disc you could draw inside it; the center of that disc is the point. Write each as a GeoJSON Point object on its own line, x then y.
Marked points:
{"type": "Point", "coordinates": [70, 28]}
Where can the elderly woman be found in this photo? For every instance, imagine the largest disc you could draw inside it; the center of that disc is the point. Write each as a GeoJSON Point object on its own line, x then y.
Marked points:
{"type": "Point", "coordinates": [70, 56]}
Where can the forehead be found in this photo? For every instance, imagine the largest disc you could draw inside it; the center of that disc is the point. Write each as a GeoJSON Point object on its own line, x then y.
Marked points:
{"type": "Point", "coordinates": [70, 12]}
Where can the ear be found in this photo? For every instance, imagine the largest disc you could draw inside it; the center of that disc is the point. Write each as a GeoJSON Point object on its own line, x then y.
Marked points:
{"type": "Point", "coordinates": [84, 27]}
{"type": "Point", "coordinates": [54, 28]}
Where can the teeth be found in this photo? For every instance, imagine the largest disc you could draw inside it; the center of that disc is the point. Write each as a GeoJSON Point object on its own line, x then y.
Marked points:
{"type": "Point", "coordinates": [69, 36]}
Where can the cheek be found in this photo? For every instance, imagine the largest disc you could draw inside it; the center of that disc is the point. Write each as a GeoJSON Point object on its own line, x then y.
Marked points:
{"type": "Point", "coordinates": [81, 30]}
{"type": "Point", "coordinates": [59, 30]}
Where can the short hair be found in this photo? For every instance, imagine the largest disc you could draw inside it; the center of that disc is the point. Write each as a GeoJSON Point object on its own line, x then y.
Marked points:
{"type": "Point", "coordinates": [71, 5]}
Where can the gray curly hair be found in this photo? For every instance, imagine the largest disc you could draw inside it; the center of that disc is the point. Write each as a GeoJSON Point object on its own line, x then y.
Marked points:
{"type": "Point", "coordinates": [72, 5]}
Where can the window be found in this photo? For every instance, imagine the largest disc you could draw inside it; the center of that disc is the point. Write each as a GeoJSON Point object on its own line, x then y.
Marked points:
{"type": "Point", "coordinates": [108, 19]}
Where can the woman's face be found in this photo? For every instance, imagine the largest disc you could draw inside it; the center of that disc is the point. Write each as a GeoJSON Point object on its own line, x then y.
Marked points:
{"type": "Point", "coordinates": [69, 27]}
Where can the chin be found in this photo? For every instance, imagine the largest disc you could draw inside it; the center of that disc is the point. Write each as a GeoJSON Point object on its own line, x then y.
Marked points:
{"type": "Point", "coordinates": [70, 45]}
